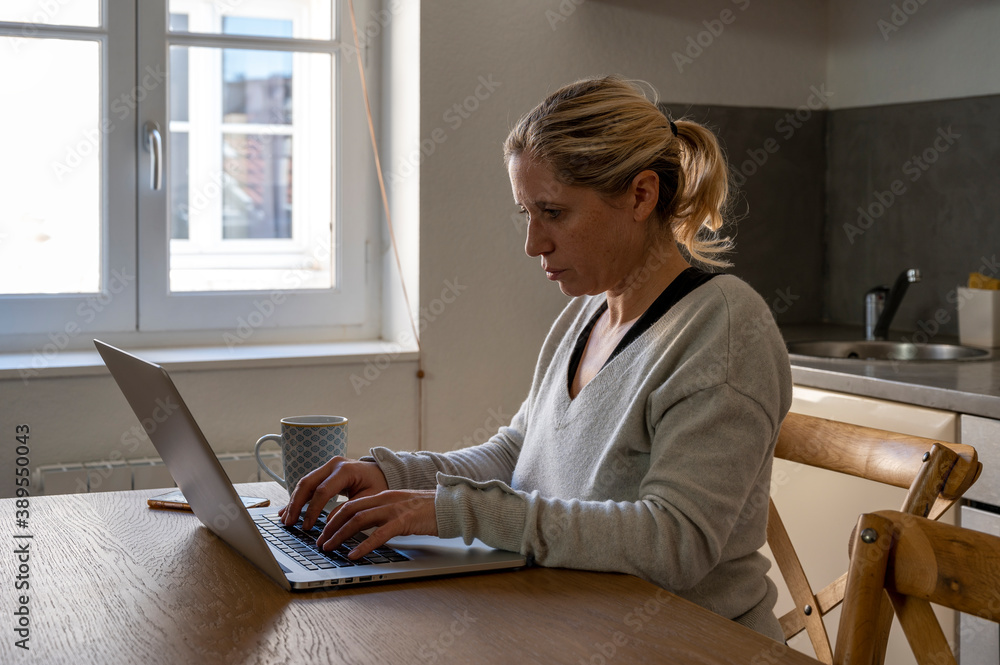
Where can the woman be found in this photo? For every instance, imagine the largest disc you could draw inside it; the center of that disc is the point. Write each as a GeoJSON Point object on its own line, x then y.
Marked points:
{"type": "Point", "coordinates": [645, 443]}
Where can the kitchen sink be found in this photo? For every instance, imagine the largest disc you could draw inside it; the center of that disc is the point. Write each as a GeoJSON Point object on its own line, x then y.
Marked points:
{"type": "Point", "coordinates": [884, 350]}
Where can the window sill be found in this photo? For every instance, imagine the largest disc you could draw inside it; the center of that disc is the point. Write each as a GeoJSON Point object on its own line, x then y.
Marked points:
{"type": "Point", "coordinates": [28, 366]}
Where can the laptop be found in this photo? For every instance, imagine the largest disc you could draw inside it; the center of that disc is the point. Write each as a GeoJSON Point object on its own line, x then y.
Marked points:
{"type": "Point", "coordinates": [285, 554]}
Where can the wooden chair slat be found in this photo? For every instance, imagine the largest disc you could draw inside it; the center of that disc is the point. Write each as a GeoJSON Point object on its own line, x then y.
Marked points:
{"type": "Point", "coordinates": [798, 586]}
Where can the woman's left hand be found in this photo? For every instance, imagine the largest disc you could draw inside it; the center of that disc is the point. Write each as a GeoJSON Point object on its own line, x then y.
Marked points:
{"type": "Point", "coordinates": [394, 512]}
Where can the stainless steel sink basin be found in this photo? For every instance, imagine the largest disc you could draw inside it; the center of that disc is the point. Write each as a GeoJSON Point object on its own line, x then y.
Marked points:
{"type": "Point", "coordinates": [882, 350]}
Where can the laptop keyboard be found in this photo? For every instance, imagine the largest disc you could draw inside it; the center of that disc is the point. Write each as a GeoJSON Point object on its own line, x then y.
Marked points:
{"type": "Point", "coordinates": [300, 545]}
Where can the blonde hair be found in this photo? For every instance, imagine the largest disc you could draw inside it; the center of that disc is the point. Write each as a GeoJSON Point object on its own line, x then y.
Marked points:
{"type": "Point", "coordinates": [601, 133]}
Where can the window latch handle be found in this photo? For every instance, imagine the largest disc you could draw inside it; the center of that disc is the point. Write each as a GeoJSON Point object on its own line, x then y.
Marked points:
{"type": "Point", "coordinates": [154, 144]}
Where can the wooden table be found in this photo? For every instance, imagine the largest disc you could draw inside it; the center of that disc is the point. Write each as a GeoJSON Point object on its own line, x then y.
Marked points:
{"type": "Point", "coordinates": [112, 581]}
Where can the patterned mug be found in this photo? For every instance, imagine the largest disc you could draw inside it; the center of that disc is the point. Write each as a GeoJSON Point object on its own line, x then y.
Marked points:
{"type": "Point", "coordinates": [307, 442]}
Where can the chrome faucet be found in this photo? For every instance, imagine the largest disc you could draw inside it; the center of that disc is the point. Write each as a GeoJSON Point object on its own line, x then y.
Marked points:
{"type": "Point", "coordinates": [881, 304]}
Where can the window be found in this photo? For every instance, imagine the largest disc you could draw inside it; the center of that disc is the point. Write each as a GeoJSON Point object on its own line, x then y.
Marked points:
{"type": "Point", "coordinates": [181, 175]}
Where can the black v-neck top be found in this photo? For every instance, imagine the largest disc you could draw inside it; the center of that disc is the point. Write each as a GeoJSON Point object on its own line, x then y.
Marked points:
{"type": "Point", "coordinates": [683, 284]}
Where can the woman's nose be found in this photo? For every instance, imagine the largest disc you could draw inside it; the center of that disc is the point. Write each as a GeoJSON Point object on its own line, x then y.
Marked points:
{"type": "Point", "coordinates": [537, 242]}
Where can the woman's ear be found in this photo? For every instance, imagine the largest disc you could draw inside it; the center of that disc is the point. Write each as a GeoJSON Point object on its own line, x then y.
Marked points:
{"type": "Point", "coordinates": [645, 191]}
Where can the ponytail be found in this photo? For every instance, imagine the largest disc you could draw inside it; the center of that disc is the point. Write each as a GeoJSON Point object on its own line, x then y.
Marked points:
{"type": "Point", "coordinates": [697, 211]}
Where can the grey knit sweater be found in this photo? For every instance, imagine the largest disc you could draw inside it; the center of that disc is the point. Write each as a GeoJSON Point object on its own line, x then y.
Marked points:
{"type": "Point", "coordinates": [660, 467]}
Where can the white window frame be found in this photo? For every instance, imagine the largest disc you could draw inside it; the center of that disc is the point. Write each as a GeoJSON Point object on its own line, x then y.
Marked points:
{"type": "Point", "coordinates": [205, 248]}
{"type": "Point", "coordinates": [345, 303]}
{"type": "Point", "coordinates": [134, 305]}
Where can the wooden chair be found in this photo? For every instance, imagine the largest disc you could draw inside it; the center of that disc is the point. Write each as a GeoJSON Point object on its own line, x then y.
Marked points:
{"type": "Point", "coordinates": [916, 562]}
{"type": "Point", "coordinates": [935, 473]}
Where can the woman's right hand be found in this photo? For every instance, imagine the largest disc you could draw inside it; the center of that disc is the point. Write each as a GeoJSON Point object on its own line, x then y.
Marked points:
{"type": "Point", "coordinates": [352, 478]}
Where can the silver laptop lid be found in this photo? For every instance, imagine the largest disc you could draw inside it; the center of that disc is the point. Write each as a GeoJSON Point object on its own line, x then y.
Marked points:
{"type": "Point", "coordinates": [193, 465]}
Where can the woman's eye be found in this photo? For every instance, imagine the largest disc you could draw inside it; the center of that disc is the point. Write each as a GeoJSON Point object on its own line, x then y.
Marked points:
{"type": "Point", "coordinates": [551, 213]}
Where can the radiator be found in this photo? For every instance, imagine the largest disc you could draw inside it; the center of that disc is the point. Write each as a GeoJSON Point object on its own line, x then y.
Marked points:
{"type": "Point", "coordinates": [139, 474]}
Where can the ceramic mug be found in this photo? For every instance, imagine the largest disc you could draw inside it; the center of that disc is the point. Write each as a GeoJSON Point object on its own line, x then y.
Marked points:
{"type": "Point", "coordinates": [307, 442]}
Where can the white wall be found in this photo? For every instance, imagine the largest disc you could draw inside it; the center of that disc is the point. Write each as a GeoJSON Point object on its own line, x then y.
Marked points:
{"type": "Point", "coordinates": [912, 50]}
{"type": "Point", "coordinates": [480, 347]}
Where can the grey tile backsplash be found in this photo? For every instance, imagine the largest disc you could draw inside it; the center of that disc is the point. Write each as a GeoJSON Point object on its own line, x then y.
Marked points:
{"type": "Point", "coordinates": [833, 203]}
{"type": "Point", "coordinates": [922, 176]}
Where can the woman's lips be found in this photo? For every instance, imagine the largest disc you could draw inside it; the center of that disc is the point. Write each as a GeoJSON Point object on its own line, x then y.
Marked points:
{"type": "Point", "coordinates": [553, 274]}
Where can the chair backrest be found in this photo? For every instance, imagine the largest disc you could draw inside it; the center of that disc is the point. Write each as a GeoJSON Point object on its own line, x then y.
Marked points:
{"type": "Point", "coordinates": [935, 473]}
{"type": "Point", "coordinates": [916, 562]}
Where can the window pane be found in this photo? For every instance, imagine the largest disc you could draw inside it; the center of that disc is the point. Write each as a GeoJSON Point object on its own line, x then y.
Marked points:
{"type": "Point", "coordinates": [178, 161]}
{"type": "Point", "coordinates": [179, 22]}
{"type": "Point", "coordinates": [299, 19]}
{"type": "Point", "coordinates": [257, 199]}
{"type": "Point", "coordinates": [179, 75]}
{"type": "Point", "coordinates": [257, 86]}
{"type": "Point", "coordinates": [242, 217]}
{"type": "Point", "coordinates": [258, 27]}
{"type": "Point", "coordinates": [52, 12]}
{"type": "Point", "coordinates": [50, 194]}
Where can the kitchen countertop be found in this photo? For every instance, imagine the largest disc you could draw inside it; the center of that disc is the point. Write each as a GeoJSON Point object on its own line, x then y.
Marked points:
{"type": "Point", "coordinates": [966, 386]}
